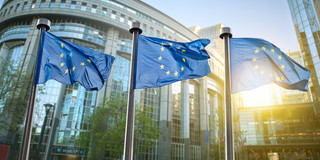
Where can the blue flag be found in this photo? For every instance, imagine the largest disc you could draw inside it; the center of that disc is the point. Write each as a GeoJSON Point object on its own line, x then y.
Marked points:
{"type": "Point", "coordinates": [68, 63]}
{"type": "Point", "coordinates": [256, 62]}
{"type": "Point", "coordinates": [160, 62]}
{"type": "Point", "coordinates": [207, 138]}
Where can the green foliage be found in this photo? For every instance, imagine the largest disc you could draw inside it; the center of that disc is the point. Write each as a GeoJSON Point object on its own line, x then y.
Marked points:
{"type": "Point", "coordinates": [14, 95]}
{"type": "Point", "coordinates": [105, 136]}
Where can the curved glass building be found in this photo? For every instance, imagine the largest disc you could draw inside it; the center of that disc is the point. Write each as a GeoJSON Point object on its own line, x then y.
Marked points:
{"type": "Point", "coordinates": [181, 110]}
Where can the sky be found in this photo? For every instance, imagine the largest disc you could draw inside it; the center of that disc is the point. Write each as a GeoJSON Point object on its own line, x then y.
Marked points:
{"type": "Point", "coordinates": [267, 19]}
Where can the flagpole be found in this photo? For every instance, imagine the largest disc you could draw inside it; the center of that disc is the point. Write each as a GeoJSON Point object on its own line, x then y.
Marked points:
{"type": "Point", "coordinates": [42, 23]}
{"type": "Point", "coordinates": [129, 133]}
{"type": "Point", "coordinates": [229, 147]}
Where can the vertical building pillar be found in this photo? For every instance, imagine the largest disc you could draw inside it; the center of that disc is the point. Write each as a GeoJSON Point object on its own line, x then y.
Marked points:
{"type": "Point", "coordinates": [203, 104]}
{"type": "Point", "coordinates": [30, 49]}
{"type": "Point", "coordinates": [185, 118]}
{"type": "Point", "coordinates": [165, 124]}
{"type": "Point", "coordinates": [4, 54]}
{"type": "Point", "coordinates": [111, 49]}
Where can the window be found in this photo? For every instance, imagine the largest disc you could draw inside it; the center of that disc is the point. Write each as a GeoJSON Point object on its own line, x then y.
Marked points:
{"type": "Point", "coordinates": [52, 3]}
{"type": "Point", "coordinates": [73, 5]}
{"type": "Point", "coordinates": [25, 5]}
{"type": "Point", "coordinates": [129, 21]}
{"type": "Point", "coordinates": [63, 3]}
{"type": "Point", "coordinates": [83, 6]}
{"type": "Point", "coordinates": [17, 8]}
{"type": "Point", "coordinates": [164, 36]}
{"type": "Point", "coordinates": [10, 10]}
{"type": "Point", "coordinates": [104, 11]}
{"type": "Point", "coordinates": [144, 28]}
{"type": "Point", "coordinates": [151, 31]}
{"type": "Point", "coordinates": [33, 4]}
{"type": "Point", "coordinates": [5, 11]}
{"type": "Point", "coordinates": [94, 9]}
{"type": "Point", "coordinates": [114, 15]}
{"type": "Point", "coordinates": [122, 18]}
{"type": "Point", "coordinates": [42, 3]}
{"type": "Point", "coordinates": [158, 34]}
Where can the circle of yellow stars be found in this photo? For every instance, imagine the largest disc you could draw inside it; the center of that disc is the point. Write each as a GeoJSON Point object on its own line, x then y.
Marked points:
{"type": "Point", "coordinates": [67, 71]}
{"type": "Point", "coordinates": [282, 66]}
{"type": "Point", "coordinates": [162, 66]}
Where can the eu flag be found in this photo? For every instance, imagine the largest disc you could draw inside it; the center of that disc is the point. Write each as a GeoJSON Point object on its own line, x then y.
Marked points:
{"type": "Point", "coordinates": [160, 62]}
{"type": "Point", "coordinates": [68, 63]}
{"type": "Point", "coordinates": [256, 62]}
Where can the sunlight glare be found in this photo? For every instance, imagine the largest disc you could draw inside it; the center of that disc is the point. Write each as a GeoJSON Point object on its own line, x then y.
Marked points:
{"type": "Point", "coordinates": [263, 96]}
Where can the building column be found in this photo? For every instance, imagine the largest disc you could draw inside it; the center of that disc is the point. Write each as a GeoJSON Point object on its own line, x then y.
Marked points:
{"type": "Point", "coordinates": [111, 49]}
{"type": "Point", "coordinates": [28, 56]}
{"type": "Point", "coordinates": [4, 54]}
{"type": "Point", "coordinates": [185, 118]}
{"type": "Point", "coordinates": [204, 112]}
{"type": "Point", "coordinates": [164, 150]}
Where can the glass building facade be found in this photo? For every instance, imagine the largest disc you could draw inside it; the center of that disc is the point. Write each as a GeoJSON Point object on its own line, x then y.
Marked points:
{"type": "Point", "coordinates": [305, 16]}
{"type": "Point", "coordinates": [181, 111]}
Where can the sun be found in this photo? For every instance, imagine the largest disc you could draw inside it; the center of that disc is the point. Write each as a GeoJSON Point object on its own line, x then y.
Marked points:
{"type": "Point", "coordinates": [263, 96]}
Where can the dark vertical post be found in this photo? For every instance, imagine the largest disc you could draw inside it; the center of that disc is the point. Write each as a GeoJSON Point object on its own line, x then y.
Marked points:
{"type": "Point", "coordinates": [26, 138]}
{"type": "Point", "coordinates": [129, 133]}
{"type": "Point", "coordinates": [229, 148]}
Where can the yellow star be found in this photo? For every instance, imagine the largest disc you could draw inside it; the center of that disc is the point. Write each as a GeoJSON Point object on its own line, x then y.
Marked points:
{"type": "Point", "coordinates": [184, 60]}
{"type": "Point", "coordinates": [82, 63]}
{"type": "Point", "coordinates": [278, 78]}
{"type": "Point", "coordinates": [162, 49]}
{"type": "Point", "coordinates": [168, 72]}
{"type": "Point", "coordinates": [279, 57]}
{"type": "Point", "coordinates": [175, 73]}
{"type": "Point", "coordinates": [73, 68]}
{"type": "Point", "coordinates": [61, 64]}
{"type": "Point", "coordinates": [61, 45]}
{"type": "Point", "coordinates": [264, 48]}
{"type": "Point", "coordinates": [162, 66]}
{"type": "Point", "coordinates": [282, 66]}
{"type": "Point", "coordinates": [183, 50]}
{"type": "Point", "coordinates": [170, 44]}
{"type": "Point", "coordinates": [256, 67]}
{"type": "Point", "coordinates": [162, 44]}
{"type": "Point", "coordinates": [182, 68]}
{"type": "Point", "coordinates": [159, 58]}
{"type": "Point", "coordinates": [262, 72]}
{"type": "Point", "coordinates": [254, 59]}
{"type": "Point", "coordinates": [272, 50]}
{"type": "Point", "coordinates": [89, 60]}
{"type": "Point", "coordinates": [66, 71]}
{"type": "Point", "coordinates": [61, 55]}
{"type": "Point", "coordinates": [271, 75]}
{"type": "Point", "coordinates": [281, 78]}
{"type": "Point", "coordinates": [178, 47]}
{"type": "Point", "coordinates": [256, 51]}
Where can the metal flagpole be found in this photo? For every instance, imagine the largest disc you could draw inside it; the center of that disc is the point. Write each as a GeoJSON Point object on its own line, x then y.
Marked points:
{"type": "Point", "coordinates": [229, 148]}
{"type": "Point", "coordinates": [128, 141]}
{"type": "Point", "coordinates": [42, 23]}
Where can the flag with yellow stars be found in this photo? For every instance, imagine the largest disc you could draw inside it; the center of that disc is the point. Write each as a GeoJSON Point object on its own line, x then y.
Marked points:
{"type": "Point", "coordinates": [160, 62]}
{"type": "Point", "coordinates": [256, 62]}
{"type": "Point", "coordinates": [68, 63]}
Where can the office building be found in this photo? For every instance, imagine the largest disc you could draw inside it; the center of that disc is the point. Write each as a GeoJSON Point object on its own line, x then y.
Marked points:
{"type": "Point", "coordinates": [180, 110]}
{"type": "Point", "coordinates": [305, 16]}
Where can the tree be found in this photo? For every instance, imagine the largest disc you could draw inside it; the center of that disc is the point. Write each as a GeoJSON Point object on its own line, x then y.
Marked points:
{"type": "Point", "coordinates": [106, 131]}
{"type": "Point", "coordinates": [14, 95]}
